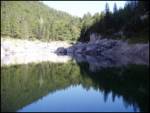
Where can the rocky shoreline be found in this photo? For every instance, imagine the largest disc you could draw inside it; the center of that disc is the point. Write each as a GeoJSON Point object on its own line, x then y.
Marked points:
{"type": "Point", "coordinates": [98, 53]}
{"type": "Point", "coordinates": [116, 50]}
{"type": "Point", "coordinates": [17, 51]}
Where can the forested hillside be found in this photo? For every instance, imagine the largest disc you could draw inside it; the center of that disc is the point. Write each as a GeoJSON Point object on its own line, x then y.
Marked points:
{"type": "Point", "coordinates": [34, 20]}
{"type": "Point", "coordinates": [130, 22]}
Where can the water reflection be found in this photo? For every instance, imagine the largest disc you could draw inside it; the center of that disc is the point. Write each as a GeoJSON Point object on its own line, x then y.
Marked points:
{"type": "Point", "coordinates": [74, 87]}
{"type": "Point", "coordinates": [99, 62]}
{"type": "Point", "coordinates": [78, 100]}
{"type": "Point", "coordinates": [33, 57]}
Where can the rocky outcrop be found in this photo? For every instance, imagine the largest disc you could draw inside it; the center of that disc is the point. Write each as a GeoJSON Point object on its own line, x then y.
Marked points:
{"type": "Point", "coordinates": [94, 37]}
{"type": "Point", "coordinates": [91, 48]}
{"type": "Point", "coordinates": [116, 50]}
{"type": "Point", "coordinates": [61, 51]}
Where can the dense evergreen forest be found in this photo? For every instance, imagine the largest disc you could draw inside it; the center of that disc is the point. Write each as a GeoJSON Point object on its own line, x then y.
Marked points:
{"type": "Point", "coordinates": [130, 22]}
{"type": "Point", "coordinates": [34, 20]}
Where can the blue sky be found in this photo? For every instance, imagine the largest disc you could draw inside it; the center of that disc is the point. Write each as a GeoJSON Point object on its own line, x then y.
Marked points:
{"type": "Point", "coordinates": [79, 8]}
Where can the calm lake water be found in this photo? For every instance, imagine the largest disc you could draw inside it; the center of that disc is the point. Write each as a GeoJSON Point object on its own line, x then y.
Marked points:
{"type": "Point", "coordinates": [74, 86]}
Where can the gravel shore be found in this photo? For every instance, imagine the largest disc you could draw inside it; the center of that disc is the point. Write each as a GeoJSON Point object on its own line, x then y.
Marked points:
{"type": "Point", "coordinates": [17, 51]}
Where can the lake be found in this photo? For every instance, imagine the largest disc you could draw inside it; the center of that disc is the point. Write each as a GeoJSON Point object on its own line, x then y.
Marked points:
{"type": "Point", "coordinates": [74, 86]}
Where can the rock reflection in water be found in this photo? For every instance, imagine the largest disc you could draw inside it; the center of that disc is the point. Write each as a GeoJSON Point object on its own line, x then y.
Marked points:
{"type": "Point", "coordinates": [99, 62]}
{"type": "Point", "coordinates": [22, 85]}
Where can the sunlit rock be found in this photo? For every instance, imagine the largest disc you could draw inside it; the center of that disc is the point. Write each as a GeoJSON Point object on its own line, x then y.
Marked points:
{"type": "Point", "coordinates": [15, 51]}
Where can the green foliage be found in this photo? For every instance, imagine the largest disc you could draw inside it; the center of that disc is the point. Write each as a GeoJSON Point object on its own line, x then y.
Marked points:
{"type": "Point", "coordinates": [127, 20]}
{"type": "Point", "coordinates": [23, 84]}
{"type": "Point", "coordinates": [33, 19]}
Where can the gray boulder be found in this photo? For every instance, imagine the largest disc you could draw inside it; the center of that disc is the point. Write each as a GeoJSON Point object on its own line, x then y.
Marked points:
{"type": "Point", "coordinates": [61, 51]}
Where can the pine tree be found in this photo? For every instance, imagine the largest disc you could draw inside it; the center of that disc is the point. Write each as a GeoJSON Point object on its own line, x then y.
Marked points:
{"type": "Point", "coordinates": [115, 8]}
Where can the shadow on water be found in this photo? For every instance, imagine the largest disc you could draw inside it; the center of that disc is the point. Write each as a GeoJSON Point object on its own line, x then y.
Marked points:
{"type": "Point", "coordinates": [21, 85]}
{"type": "Point", "coordinates": [122, 76]}
{"type": "Point", "coordinates": [132, 83]}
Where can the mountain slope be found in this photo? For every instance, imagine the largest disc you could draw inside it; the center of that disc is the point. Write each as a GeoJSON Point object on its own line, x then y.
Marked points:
{"type": "Point", "coordinates": [33, 19]}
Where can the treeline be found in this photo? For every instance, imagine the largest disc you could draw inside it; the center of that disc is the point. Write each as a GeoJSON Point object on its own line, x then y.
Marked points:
{"type": "Point", "coordinates": [130, 22]}
{"type": "Point", "coordinates": [34, 20]}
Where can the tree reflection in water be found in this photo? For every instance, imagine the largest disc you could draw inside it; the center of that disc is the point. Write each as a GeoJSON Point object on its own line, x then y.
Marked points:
{"type": "Point", "coordinates": [24, 84]}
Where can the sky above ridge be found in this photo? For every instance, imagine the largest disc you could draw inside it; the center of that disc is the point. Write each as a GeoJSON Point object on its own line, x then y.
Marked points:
{"type": "Point", "coordinates": [79, 8]}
